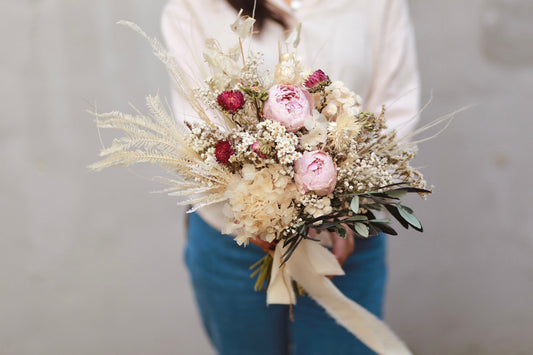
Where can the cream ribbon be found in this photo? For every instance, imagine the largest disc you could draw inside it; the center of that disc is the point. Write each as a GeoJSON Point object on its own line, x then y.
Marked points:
{"type": "Point", "coordinates": [309, 266]}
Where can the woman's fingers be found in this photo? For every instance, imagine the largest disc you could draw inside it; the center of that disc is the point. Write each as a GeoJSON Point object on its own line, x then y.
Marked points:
{"type": "Point", "coordinates": [266, 246]}
{"type": "Point", "coordinates": [342, 247]}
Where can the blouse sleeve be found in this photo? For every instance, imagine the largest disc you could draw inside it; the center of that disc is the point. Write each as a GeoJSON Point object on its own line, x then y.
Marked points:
{"type": "Point", "coordinates": [181, 31]}
{"type": "Point", "coordinates": [396, 82]}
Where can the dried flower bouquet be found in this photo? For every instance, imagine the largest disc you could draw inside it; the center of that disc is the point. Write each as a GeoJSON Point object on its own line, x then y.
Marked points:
{"type": "Point", "coordinates": [285, 153]}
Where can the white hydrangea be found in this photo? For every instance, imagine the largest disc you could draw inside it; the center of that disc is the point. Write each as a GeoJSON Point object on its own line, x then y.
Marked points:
{"type": "Point", "coordinates": [341, 100]}
{"type": "Point", "coordinates": [317, 127]}
{"type": "Point", "coordinates": [272, 209]}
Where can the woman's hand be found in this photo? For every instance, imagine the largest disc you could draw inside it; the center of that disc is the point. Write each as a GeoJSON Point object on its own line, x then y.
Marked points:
{"type": "Point", "coordinates": [342, 247]}
{"type": "Point", "coordinates": [266, 246]}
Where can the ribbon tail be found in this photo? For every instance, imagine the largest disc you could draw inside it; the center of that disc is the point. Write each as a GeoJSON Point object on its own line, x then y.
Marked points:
{"type": "Point", "coordinates": [279, 289]}
{"type": "Point", "coordinates": [356, 319]}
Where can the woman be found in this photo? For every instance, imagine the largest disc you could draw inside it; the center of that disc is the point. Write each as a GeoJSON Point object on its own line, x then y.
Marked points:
{"type": "Point", "coordinates": [368, 45]}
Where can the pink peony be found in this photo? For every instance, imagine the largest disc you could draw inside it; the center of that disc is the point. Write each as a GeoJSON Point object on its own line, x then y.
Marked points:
{"type": "Point", "coordinates": [223, 151]}
{"type": "Point", "coordinates": [317, 80]}
{"type": "Point", "coordinates": [315, 171]}
{"type": "Point", "coordinates": [289, 105]}
{"type": "Point", "coordinates": [231, 100]}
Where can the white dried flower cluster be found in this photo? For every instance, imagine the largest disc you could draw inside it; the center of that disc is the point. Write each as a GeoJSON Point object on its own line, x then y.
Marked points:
{"type": "Point", "coordinates": [340, 100]}
{"type": "Point", "coordinates": [290, 71]}
{"type": "Point", "coordinates": [268, 143]}
{"type": "Point", "coordinates": [402, 170]}
{"type": "Point", "coordinates": [244, 152]}
{"type": "Point", "coordinates": [285, 142]}
{"type": "Point", "coordinates": [206, 96]}
{"type": "Point", "coordinates": [315, 205]}
{"type": "Point", "coordinates": [286, 148]}
{"type": "Point", "coordinates": [250, 71]}
{"type": "Point", "coordinates": [202, 137]}
{"type": "Point", "coordinates": [245, 141]}
{"type": "Point", "coordinates": [209, 156]}
{"type": "Point", "coordinates": [364, 174]}
{"type": "Point", "coordinates": [398, 156]}
{"type": "Point", "coordinates": [271, 129]}
{"type": "Point", "coordinates": [317, 127]}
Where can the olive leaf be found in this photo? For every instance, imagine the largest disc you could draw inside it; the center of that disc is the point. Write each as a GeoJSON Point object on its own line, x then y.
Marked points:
{"type": "Point", "coordinates": [361, 229]}
{"type": "Point", "coordinates": [409, 217]}
{"type": "Point", "coordinates": [384, 227]}
{"type": "Point", "coordinates": [396, 193]}
{"type": "Point", "coordinates": [393, 210]}
{"type": "Point", "coordinates": [354, 205]}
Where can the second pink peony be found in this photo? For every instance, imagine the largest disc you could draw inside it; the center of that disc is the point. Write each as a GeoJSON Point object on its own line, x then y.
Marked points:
{"type": "Point", "coordinates": [315, 171]}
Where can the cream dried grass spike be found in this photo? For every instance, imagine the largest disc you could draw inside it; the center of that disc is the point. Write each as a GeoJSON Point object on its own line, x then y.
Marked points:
{"type": "Point", "coordinates": [181, 79]}
{"type": "Point", "coordinates": [154, 138]}
{"type": "Point", "coordinates": [157, 139]}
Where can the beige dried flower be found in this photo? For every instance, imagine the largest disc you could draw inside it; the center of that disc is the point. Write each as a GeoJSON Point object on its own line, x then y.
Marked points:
{"type": "Point", "coordinates": [317, 127]}
{"type": "Point", "coordinates": [345, 131]}
{"type": "Point", "coordinates": [243, 26]}
{"type": "Point", "coordinates": [260, 203]}
{"type": "Point", "coordinates": [290, 71]}
{"type": "Point", "coordinates": [319, 207]}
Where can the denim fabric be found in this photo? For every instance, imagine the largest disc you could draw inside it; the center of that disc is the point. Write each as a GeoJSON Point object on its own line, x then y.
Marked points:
{"type": "Point", "coordinates": [237, 319]}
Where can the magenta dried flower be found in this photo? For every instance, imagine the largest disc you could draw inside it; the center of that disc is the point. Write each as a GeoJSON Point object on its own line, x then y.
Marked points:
{"type": "Point", "coordinates": [317, 81]}
{"type": "Point", "coordinates": [223, 151]}
{"type": "Point", "coordinates": [231, 100]}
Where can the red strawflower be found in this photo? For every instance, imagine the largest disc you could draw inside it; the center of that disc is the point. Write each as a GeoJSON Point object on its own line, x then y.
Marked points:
{"type": "Point", "coordinates": [231, 100]}
{"type": "Point", "coordinates": [317, 80]}
{"type": "Point", "coordinates": [223, 151]}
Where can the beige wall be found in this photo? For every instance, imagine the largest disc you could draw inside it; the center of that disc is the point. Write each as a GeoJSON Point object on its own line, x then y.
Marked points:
{"type": "Point", "coordinates": [91, 263]}
{"type": "Point", "coordinates": [465, 287]}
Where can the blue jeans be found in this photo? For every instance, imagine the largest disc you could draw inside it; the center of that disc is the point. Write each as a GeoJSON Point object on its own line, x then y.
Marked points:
{"type": "Point", "coordinates": [237, 319]}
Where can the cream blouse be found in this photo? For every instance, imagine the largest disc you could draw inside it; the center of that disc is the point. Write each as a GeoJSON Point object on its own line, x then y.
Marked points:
{"type": "Point", "coordinates": [367, 44]}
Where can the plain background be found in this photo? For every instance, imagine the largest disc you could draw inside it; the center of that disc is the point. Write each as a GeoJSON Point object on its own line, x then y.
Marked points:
{"type": "Point", "coordinates": [92, 263]}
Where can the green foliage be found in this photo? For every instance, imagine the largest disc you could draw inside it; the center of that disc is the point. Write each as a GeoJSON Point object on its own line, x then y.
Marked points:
{"type": "Point", "coordinates": [262, 269]}
{"type": "Point", "coordinates": [361, 229]}
{"type": "Point", "coordinates": [354, 204]}
{"type": "Point", "coordinates": [359, 218]}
